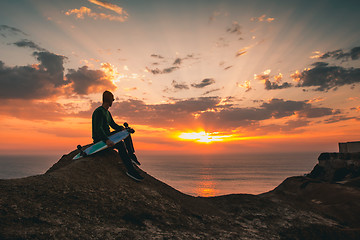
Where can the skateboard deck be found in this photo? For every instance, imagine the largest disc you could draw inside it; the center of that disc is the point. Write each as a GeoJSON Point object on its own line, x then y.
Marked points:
{"type": "Point", "coordinates": [99, 146]}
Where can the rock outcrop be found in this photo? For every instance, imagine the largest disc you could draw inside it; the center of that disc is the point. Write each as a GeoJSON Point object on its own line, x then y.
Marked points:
{"type": "Point", "coordinates": [94, 199]}
{"type": "Point", "coordinates": [336, 167]}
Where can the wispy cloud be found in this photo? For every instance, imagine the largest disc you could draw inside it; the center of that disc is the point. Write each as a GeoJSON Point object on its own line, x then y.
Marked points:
{"type": "Point", "coordinates": [163, 71]}
{"type": "Point", "coordinates": [262, 18]}
{"type": "Point", "coordinates": [5, 30]}
{"type": "Point", "coordinates": [205, 82]}
{"type": "Point", "coordinates": [211, 91]}
{"type": "Point", "coordinates": [30, 44]}
{"type": "Point", "coordinates": [121, 14]}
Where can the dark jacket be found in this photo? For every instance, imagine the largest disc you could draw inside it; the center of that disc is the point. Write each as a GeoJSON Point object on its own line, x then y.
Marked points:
{"type": "Point", "coordinates": [101, 120]}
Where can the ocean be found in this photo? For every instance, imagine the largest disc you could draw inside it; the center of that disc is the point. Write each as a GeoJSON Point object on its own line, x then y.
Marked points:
{"type": "Point", "coordinates": [197, 175]}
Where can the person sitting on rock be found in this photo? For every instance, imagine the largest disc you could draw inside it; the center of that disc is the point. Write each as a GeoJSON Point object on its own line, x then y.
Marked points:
{"type": "Point", "coordinates": [101, 120]}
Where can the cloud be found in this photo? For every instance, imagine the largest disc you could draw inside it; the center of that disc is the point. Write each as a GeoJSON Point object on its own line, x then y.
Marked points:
{"type": "Point", "coordinates": [340, 118]}
{"type": "Point", "coordinates": [157, 56]}
{"type": "Point", "coordinates": [179, 86]}
{"type": "Point", "coordinates": [37, 81]}
{"type": "Point", "coordinates": [164, 71]}
{"type": "Point", "coordinates": [110, 6]}
{"type": "Point", "coordinates": [30, 44]}
{"type": "Point", "coordinates": [205, 82]}
{"type": "Point", "coordinates": [241, 52]}
{"type": "Point", "coordinates": [326, 77]}
{"type": "Point", "coordinates": [80, 13]}
{"type": "Point", "coordinates": [46, 78]}
{"type": "Point", "coordinates": [214, 113]}
{"type": "Point", "coordinates": [165, 115]}
{"type": "Point", "coordinates": [274, 85]}
{"type": "Point", "coordinates": [233, 117]}
{"type": "Point", "coordinates": [246, 85]}
{"type": "Point", "coordinates": [262, 18]}
{"type": "Point", "coordinates": [211, 91]}
{"type": "Point", "coordinates": [5, 30]}
{"type": "Point", "coordinates": [53, 64]}
{"type": "Point", "coordinates": [235, 28]}
{"type": "Point", "coordinates": [177, 61]}
{"type": "Point", "coordinates": [86, 81]}
{"type": "Point", "coordinates": [353, 54]}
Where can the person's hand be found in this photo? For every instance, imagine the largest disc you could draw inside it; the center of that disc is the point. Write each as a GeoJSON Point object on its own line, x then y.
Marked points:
{"type": "Point", "coordinates": [110, 143]}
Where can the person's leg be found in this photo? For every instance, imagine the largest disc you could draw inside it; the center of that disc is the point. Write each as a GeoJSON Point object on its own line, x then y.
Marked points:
{"type": "Point", "coordinates": [131, 172]}
{"type": "Point", "coordinates": [130, 149]}
{"type": "Point", "coordinates": [129, 144]}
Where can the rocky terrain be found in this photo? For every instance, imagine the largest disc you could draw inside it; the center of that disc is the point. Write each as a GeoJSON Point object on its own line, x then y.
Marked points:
{"type": "Point", "coordinates": [92, 198]}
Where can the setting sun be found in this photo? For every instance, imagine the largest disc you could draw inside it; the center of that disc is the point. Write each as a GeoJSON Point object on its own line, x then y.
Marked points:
{"type": "Point", "coordinates": [204, 137]}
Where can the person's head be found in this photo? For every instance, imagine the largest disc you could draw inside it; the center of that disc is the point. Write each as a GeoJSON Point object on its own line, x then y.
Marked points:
{"type": "Point", "coordinates": [108, 98]}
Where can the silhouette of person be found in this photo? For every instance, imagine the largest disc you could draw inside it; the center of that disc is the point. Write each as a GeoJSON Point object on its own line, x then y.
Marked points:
{"type": "Point", "coordinates": [101, 120]}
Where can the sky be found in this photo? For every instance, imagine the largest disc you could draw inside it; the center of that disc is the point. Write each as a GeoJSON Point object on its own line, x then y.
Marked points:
{"type": "Point", "coordinates": [197, 77]}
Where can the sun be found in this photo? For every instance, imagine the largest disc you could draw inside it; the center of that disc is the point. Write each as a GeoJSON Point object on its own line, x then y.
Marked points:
{"type": "Point", "coordinates": [203, 137]}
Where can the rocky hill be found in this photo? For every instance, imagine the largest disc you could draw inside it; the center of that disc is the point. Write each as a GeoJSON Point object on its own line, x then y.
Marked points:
{"type": "Point", "coordinates": [94, 199]}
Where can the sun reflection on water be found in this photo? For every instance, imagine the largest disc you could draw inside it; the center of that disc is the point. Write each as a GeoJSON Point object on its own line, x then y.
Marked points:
{"type": "Point", "coordinates": [206, 187]}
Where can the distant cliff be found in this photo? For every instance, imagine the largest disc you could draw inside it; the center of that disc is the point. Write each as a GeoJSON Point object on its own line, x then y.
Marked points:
{"type": "Point", "coordinates": [94, 199]}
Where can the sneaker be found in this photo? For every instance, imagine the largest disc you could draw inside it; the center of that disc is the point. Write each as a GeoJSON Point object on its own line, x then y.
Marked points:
{"type": "Point", "coordinates": [134, 159]}
{"type": "Point", "coordinates": [135, 175]}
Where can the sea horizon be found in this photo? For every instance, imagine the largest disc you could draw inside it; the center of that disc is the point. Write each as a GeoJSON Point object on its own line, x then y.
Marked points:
{"type": "Point", "coordinates": [196, 175]}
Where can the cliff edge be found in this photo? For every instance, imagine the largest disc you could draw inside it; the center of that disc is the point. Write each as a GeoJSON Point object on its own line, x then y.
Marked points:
{"type": "Point", "coordinates": [92, 198]}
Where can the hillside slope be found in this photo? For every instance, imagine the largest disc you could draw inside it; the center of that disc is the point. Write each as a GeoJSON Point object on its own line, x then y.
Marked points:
{"type": "Point", "coordinates": [94, 199]}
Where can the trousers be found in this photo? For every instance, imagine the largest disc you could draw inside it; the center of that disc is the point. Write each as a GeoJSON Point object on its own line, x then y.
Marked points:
{"type": "Point", "coordinates": [125, 149]}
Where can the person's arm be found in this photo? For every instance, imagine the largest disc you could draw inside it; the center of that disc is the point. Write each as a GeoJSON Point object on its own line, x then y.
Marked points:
{"type": "Point", "coordinates": [98, 122]}
{"type": "Point", "coordinates": [115, 126]}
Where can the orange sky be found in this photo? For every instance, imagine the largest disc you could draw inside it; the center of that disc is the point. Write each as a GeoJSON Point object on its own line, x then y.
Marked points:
{"type": "Point", "coordinates": [201, 78]}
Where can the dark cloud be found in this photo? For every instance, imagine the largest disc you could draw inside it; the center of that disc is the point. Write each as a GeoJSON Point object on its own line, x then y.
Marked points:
{"type": "Point", "coordinates": [339, 54]}
{"type": "Point", "coordinates": [169, 70]}
{"type": "Point", "coordinates": [164, 71]}
{"type": "Point", "coordinates": [326, 77]}
{"type": "Point", "coordinates": [177, 61]}
{"type": "Point", "coordinates": [274, 85]}
{"type": "Point", "coordinates": [156, 56]}
{"type": "Point", "coordinates": [235, 28]}
{"type": "Point", "coordinates": [87, 81]}
{"type": "Point", "coordinates": [214, 113]}
{"type": "Point", "coordinates": [53, 64]}
{"type": "Point", "coordinates": [340, 118]}
{"type": "Point", "coordinates": [5, 29]}
{"type": "Point", "coordinates": [162, 115]}
{"type": "Point", "coordinates": [30, 44]}
{"type": "Point", "coordinates": [179, 86]}
{"type": "Point", "coordinates": [233, 117]}
{"type": "Point", "coordinates": [211, 91]}
{"type": "Point", "coordinates": [46, 79]}
{"type": "Point", "coordinates": [205, 82]}
{"type": "Point", "coordinates": [278, 108]}
{"type": "Point", "coordinates": [33, 82]}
